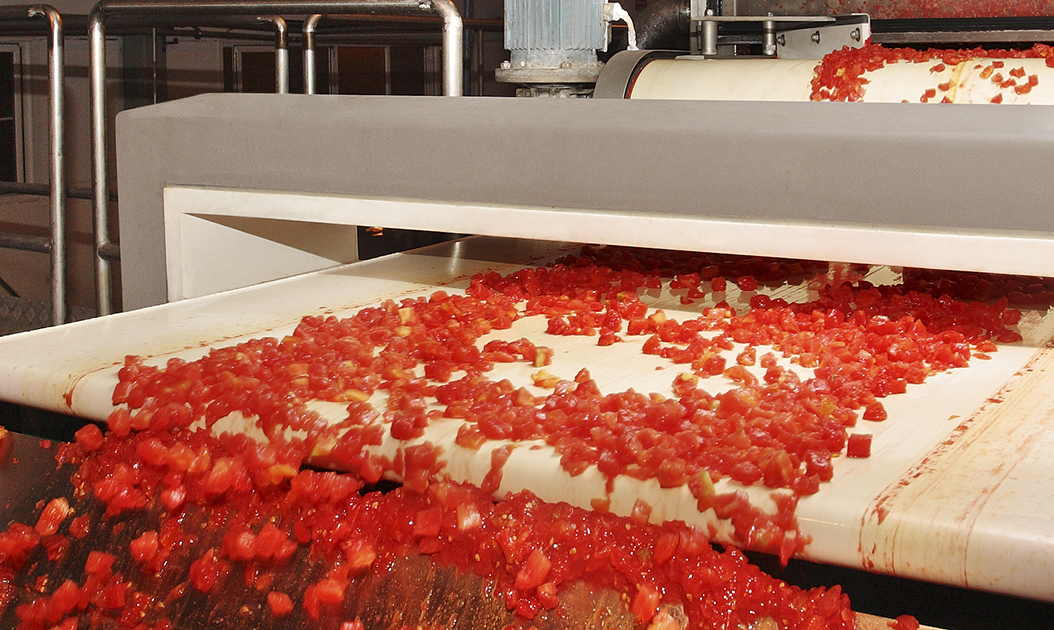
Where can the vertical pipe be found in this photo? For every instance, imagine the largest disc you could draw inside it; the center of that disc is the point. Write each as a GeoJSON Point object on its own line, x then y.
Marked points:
{"type": "Point", "coordinates": [453, 43]}
{"type": "Point", "coordinates": [97, 43]}
{"type": "Point", "coordinates": [281, 52]}
{"type": "Point", "coordinates": [479, 62]}
{"type": "Point", "coordinates": [56, 85]}
{"type": "Point", "coordinates": [310, 26]}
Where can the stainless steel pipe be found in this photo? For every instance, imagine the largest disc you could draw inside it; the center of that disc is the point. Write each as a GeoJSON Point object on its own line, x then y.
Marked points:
{"type": "Point", "coordinates": [100, 203]}
{"type": "Point", "coordinates": [453, 42]}
{"type": "Point", "coordinates": [188, 11]}
{"type": "Point", "coordinates": [453, 45]}
{"type": "Point", "coordinates": [57, 161]}
{"type": "Point", "coordinates": [26, 243]}
{"type": "Point", "coordinates": [281, 52]}
{"type": "Point", "coordinates": [310, 63]}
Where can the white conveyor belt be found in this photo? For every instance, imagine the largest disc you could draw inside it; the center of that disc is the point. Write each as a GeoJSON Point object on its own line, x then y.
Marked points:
{"type": "Point", "coordinates": [970, 81]}
{"type": "Point", "coordinates": [956, 490]}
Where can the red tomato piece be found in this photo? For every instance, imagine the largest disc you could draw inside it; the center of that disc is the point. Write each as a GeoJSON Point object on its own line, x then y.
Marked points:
{"type": "Point", "coordinates": [645, 603]}
{"type": "Point", "coordinates": [99, 563]}
{"type": "Point", "coordinates": [859, 445]}
{"type": "Point", "coordinates": [52, 516]}
{"type": "Point", "coordinates": [533, 572]}
{"type": "Point", "coordinates": [89, 437]}
{"type": "Point", "coordinates": [145, 547]}
{"type": "Point", "coordinates": [279, 603]}
{"type": "Point", "coordinates": [904, 622]}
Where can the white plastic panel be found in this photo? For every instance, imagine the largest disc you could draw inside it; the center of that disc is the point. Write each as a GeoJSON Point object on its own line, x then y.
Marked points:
{"type": "Point", "coordinates": [1021, 254]}
{"type": "Point", "coordinates": [223, 249]}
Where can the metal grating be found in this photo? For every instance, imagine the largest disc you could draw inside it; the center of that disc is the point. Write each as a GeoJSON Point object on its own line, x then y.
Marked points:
{"type": "Point", "coordinates": [19, 314]}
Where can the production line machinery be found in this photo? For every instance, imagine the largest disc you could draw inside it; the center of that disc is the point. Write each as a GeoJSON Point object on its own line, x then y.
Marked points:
{"type": "Point", "coordinates": [706, 155]}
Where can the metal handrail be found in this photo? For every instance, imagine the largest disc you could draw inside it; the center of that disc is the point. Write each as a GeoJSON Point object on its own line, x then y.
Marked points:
{"type": "Point", "coordinates": [190, 10]}
{"type": "Point", "coordinates": [56, 88]}
{"type": "Point", "coordinates": [453, 44]}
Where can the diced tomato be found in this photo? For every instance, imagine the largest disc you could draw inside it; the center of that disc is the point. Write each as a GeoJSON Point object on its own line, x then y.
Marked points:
{"type": "Point", "coordinates": [207, 571]}
{"type": "Point", "coordinates": [279, 603]}
{"type": "Point", "coordinates": [533, 572]}
{"type": "Point", "coordinates": [53, 515]}
{"type": "Point", "coordinates": [145, 547]}
{"type": "Point", "coordinates": [89, 437]}
{"type": "Point", "coordinates": [99, 563]}
{"type": "Point", "coordinates": [904, 622]}
{"type": "Point", "coordinates": [645, 603]}
{"type": "Point", "coordinates": [859, 445]}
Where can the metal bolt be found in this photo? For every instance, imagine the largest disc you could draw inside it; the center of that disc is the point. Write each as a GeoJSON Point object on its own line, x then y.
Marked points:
{"type": "Point", "coordinates": [816, 37]}
{"type": "Point", "coordinates": [782, 39]}
{"type": "Point", "coordinates": [855, 34]}
{"type": "Point", "coordinates": [506, 65]}
{"type": "Point", "coordinates": [566, 65]}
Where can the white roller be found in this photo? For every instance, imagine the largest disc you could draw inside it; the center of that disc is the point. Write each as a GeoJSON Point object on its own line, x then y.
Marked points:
{"type": "Point", "coordinates": [725, 80]}
{"type": "Point", "coordinates": [971, 81]}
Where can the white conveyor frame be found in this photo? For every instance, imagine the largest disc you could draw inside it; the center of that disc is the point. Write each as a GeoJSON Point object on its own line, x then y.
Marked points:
{"type": "Point", "coordinates": [953, 187]}
{"type": "Point", "coordinates": [956, 490]}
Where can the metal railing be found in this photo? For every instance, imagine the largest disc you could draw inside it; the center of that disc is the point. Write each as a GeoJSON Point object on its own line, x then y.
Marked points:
{"type": "Point", "coordinates": [56, 244]}
{"type": "Point", "coordinates": [453, 45]}
{"type": "Point", "coordinates": [189, 11]}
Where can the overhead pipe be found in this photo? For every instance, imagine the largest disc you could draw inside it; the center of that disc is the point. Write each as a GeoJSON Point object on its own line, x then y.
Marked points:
{"type": "Point", "coordinates": [453, 45]}
{"type": "Point", "coordinates": [281, 52]}
{"type": "Point", "coordinates": [57, 160]}
{"type": "Point", "coordinates": [664, 25]}
{"type": "Point", "coordinates": [188, 12]}
{"type": "Point", "coordinates": [310, 69]}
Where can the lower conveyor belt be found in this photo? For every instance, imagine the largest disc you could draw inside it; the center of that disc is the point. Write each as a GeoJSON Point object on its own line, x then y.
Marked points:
{"type": "Point", "coordinates": [955, 490]}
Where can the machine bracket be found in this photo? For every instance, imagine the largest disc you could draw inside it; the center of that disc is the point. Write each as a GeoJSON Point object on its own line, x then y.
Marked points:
{"type": "Point", "coordinates": [784, 36]}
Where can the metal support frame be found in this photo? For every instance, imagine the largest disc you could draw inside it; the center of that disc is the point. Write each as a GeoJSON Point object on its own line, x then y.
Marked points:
{"type": "Point", "coordinates": [56, 245]}
{"type": "Point", "coordinates": [453, 44]}
{"type": "Point", "coordinates": [188, 11]}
